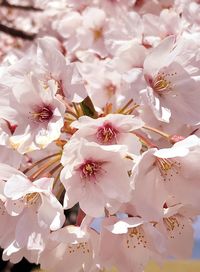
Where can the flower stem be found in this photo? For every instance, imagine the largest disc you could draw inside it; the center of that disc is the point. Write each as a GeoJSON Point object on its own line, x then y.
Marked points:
{"type": "Point", "coordinates": [161, 133]}
{"type": "Point", "coordinates": [144, 140]}
{"type": "Point", "coordinates": [44, 167]}
{"type": "Point", "coordinates": [52, 171]}
{"type": "Point", "coordinates": [40, 161]}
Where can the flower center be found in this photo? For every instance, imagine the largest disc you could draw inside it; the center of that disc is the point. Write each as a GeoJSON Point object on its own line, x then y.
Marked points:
{"type": "Point", "coordinates": [110, 89]}
{"type": "Point", "coordinates": [136, 238]}
{"type": "Point", "coordinates": [31, 198]}
{"type": "Point", "coordinates": [162, 82]}
{"type": "Point", "coordinates": [97, 33]}
{"type": "Point", "coordinates": [90, 169]}
{"type": "Point", "coordinates": [168, 168]}
{"type": "Point", "coordinates": [107, 134]}
{"type": "Point", "coordinates": [173, 225]}
{"type": "Point", "coordinates": [42, 114]}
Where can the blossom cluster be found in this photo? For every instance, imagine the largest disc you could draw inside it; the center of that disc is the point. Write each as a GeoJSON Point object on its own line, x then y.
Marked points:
{"type": "Point", "coordinates": [101, 112]}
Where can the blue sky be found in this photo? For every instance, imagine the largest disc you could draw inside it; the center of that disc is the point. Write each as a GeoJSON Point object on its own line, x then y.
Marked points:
{"type": "Point", "coordinates": [196, 251]}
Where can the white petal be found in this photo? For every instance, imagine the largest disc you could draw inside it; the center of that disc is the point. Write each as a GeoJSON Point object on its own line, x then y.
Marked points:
{"type": "Point", "coordinates": [171, 152]}
{"type": "Point", "coordinates": [50, 213]}
{"type": "Point", "coordinates": [122, 226]}
{"type": "Point", "coordinates": [17, 186]}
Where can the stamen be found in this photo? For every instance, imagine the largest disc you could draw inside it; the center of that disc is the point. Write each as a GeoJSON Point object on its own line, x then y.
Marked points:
{"type": "Point", "coordinates": [97, 33]}
{"type": "Point", "coordinates": [107, 134]}
{"type": "Point", "coordinates": [162, 83]}
{"type": "Point", "coordinates": [107, 109]}
{"type": "Point", "coordinates": [171, 223]}
{"type": "Point", "coordinates": [174, 226]}
{"type": "Point", "coordinates": [164, 164]}
{"type": "Point", "coordinates": [91, 169]}
{"type": "Point", "coordinates": [82, 247]}
{"type": "Point", "coordinates": [42, 114]}
{"type": "Point", "coordinates": [31, 198]}
{"type": "Point", "coordinates": [136, 238]}
{"type": "Point", "coordinates": [168, 168]}
{"type": "Point", "coordinates": [77, 109]}
{"type": "Point", "coordinates": [125, 106]}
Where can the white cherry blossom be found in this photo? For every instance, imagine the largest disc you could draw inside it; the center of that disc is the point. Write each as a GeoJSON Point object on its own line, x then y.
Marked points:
{"type": "Point", "coordinates": [40, 119]}
{"type": "Point", "coordinates": [99, 132]}
{"type": "Point", "coordinates": [93, 176]}
{"type": "Point", "coordinates": [170, 83]}
{"type": "Point", "coordinates": [111, 129]}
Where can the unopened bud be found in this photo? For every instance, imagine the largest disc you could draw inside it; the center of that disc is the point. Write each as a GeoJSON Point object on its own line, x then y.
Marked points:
{"type": "Point", "coordinates": [176, 138]}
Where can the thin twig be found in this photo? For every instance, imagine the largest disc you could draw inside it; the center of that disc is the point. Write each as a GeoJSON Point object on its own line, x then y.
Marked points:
{"type": "Point", "coordinates": [27, 8]}
{"type": "Point", "coordinates": [17, 33]}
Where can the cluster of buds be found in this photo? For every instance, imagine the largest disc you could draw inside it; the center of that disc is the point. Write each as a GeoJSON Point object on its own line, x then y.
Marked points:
{"type": "Point", "coordinates": [100, 114]}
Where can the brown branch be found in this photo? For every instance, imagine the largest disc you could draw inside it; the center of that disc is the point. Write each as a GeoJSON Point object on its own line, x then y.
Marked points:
{"type": "Point", "coordinates": [17, 33]}
{"type": "Point", "coordinates": [27, 8]}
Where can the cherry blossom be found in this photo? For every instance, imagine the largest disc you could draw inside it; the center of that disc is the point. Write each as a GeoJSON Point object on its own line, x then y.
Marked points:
{"type": "Point", "coordinates": [42, 113]}
{"type": "Point", "coordinates": [168, 80]}
{"type": "Point", "coordinates": [111, 129]}
{"type": "Point", "coordinates": [93, 177]}
{"type": "Point", "coordinates": [131, 246]}
{"type": "Point", "coordinates": [99, 132]}
{"type": "Point", "coordinates": [68, 247]}
{"type": "Point", "coordinates": [21, 194]}
{"type": "Point", "coordinates": [178, 231]}
{"type": "Point", "coordinates": [180, 180]}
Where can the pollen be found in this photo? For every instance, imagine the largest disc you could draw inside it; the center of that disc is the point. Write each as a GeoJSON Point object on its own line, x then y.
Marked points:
{"type": "Point", "coordinates": [2, 208]}
{"type": "Point", "coordinates": [107, 134]}
{"type": "Point", "coordinates": [31, 198]}
{"type": "Point", "coordinates": [97, 33]}
{"type": "Point", "coordinates": [79, 248]}
{"type": "Point", "coordinates": [163, 83]}
{"type": "Point", "coordinates": [168, 168]}
{"type": "Point", "coordinates": [135, 238]}
{"type": "Point", "coordinates": [42, 114]}
{"type": "Point", "coordinates": [91, 169]}
{"type": "Point", "coordinates": [173, 226]}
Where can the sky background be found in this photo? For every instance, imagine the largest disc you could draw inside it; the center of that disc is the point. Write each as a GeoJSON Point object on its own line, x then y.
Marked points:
{"type": "Point", "coordinates": [196, 251]}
